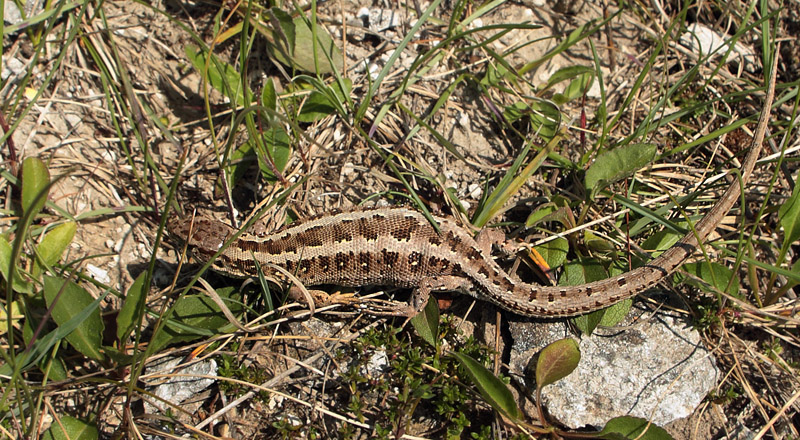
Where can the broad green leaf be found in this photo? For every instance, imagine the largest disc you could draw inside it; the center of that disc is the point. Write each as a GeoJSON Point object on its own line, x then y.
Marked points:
{"type": "Point", "coordinates": [716, 275]}
{"type": "Point", "coordinates": [131, 312]}
{"type": "Point", "coordinates": [71, 428]}
{"type": "Point", "coordinates": [87, 337]}
{"type": "Point", "coordinates": [557, 361]}
{"type": "Point", "coordinates": [567, 73]}
{"type": "Point", "coordinates": [291, 41]}
{"type": "Point", "coordinates": [660, 241]}
{"type": "Point", "coordinates": [18, 283]}
{"type": "Point", "coordinates": [554, 252]}
{"type": "Point", "coordinates": [277, 142]}
{"type": "Point", "coordinates": [319, 104]}
{"type": "Point", "coordinates": [492, 389]}
{"type": "Point", "coordinates": [16, 316]}
{"type": "Point", "coordinates": [35, 178]}
{"type": "Point", "coordinates": [583, 271]}
{"type": "Point", "coordinates": [597, 243]}
{"type": "Point", "coordinates": [196, 316]}
{"type": "Point", "coordinates": [581, 79]}
{"type": "Point", "coordinates": [588, 322]}
{"type": "Point", "coordinates": [613, 315]}
{"type": "Point", "coordinates": [628, 427]}
{"type": "Point", "coordinates": [427, 322]}
{"type": "Point", "coordinates": [543, 116]}
{"type": "Point", "coordinates": [221, 76]}
{"type": "Point", "coordinates": [576, 89]}
{"type": "Point", "coordinates": [56, 370]}
{"type": "Point", "coordinates": [580, 272]}
{"type": "Point", "coordinates": [617, 164]}
{"type": "Point", "coordinates": [540, 214]}
{"type": "Point", "coordinates": [269, 97]}
{"type": "Point", "coordinates": [52, 246]}
{"type": "Point", "coordinates": [551, 212]}
{"type": "Point", "coordinates": [43, 345]}
{"type": "Point", "coordinates": [789, 216]}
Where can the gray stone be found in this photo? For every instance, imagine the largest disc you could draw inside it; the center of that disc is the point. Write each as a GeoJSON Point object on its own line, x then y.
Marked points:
{"type": "Point", "coordinates": [656, 368]}
{"type": "Point", "coordinates": [179, 388]}
{"type": "Point", "coordinates": [703, 41]}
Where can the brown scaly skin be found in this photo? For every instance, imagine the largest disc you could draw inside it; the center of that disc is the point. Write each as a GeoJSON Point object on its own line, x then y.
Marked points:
{"type": "Point", "coordinates": [399, 247]}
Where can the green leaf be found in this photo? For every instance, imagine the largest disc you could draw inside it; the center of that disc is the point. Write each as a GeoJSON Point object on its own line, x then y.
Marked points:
{"type": "Point", "coordinates": [576, 89]}
{"type": "Point", "coordinates": [291, 41]}
{"type": "Point", "coordinates": [660, 241]}
{"type": "Point", "coordinates": [427, 322]}
{"type": "Point", "coordinates": [557, 361]}
{"type": "Point", "coordinates": [43, 346]}
{"type": "Point", "coordinates": [581, 272]}
{"type": "Point", "coordinates": [52, 246]}
{"type": "Point", "coordinates": [789, 216]}
{"type": "Point", "coordinates": [617, 164]}
{"type": "Point", "coordinates": [492, 389]}
{"type": "Point", "coordinates": [552, 212]}
{"type": "Point", "coordinates": [16, 316]}
{"type": "Point", "coordinates": [567, 73]}
{"type": "Point", "coordinates": [321, 104]}
{"type": "Point", "coordinates": [221, 76]}
{"type": "Point", "coordinates": [71, 428]}
{"type": "Point", "coordinates": [130, 315]}
{"type": "Point", "coordinates": [87, 337]}
{"type": "Point", "coordinates": [196, 316]}
{"type": "Point", "coordinates": [35, 178]}
{"type": "Point", "coordinates": [540, 214]}
{"type": "Point", "coordinates": [588, 322]}
{"type": "Point", "coordinates": [18, 284]}
{"type": "Point", "coordinates": [581, 79]}
{"type": "Point", "coordinates": [269, 97]}
{"type": "Point", "coordinates": [596, 243]}
{"type": "Point", "coordinates": [554, 252]}
{"type": "Point", "coordinates": [615, 314]}
{"type": "Point", "coordinates": [543, 116]}
{"type": "Point", "coordinates": [628, 427]}
{"type": "Point", "coordinates": [277, 142]}
{"type": "Point", "coordinates": [712, 273]}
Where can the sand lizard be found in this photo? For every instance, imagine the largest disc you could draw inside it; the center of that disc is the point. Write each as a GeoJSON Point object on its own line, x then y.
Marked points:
{"type": "Point", "coordinates": [399, 247]}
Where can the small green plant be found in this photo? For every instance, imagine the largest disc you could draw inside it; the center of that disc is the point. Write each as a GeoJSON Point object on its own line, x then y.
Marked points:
{"type": "Point", "coordinates": [411, 379]}
{"type": "Point", "coordinates": [234, 368]}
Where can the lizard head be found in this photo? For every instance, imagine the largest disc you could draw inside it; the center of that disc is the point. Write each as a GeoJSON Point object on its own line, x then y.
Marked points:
{"type": "Point", "coordinates": [205, 235]}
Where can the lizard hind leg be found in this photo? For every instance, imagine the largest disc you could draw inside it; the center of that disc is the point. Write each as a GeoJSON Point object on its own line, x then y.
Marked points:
{"type": "Point", "coordinates": [445, 283]}
{"type": "Point", "coordinates": [489, 237]}
{"type": "Point", "coordinates": [421, 294]}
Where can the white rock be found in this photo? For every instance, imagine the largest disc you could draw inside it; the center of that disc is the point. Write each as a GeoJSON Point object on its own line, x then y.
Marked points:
{"type": "Point", "coordinates": [463, 119]}
{"type": "Point", "coordinates": [12, 66]}
{"type": "Point", "coordinates": [655, 368]}
{"type": "Point", "coordinates": [98, 274]}
{"type": "Point", "coordinates": [475, 190]}
{"type": "Point", "coordinates": [703, 40]}
{"type": "Point", "coordinates": [384, 19]}
{"type": "Point", "coordinates": [180, 388]}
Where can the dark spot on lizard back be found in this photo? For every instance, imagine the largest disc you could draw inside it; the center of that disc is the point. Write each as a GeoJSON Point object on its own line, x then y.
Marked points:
{"type": "Point", "coordinates": [364, 260]}
{"type": "Point", "coordinates": [367, 229]}
{"type": "Point", "coordinates": [405, 228]}
{"type": "Point", "coordinates": [324, 263]}
{"type": "Point", "coordinates": [340, 260]}
{"type": "Point", "coordinates": [389, 258]}
{"type": "Point", "coordinates": [340, 233]}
